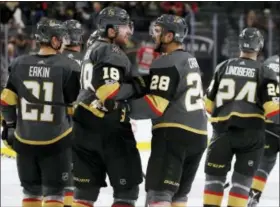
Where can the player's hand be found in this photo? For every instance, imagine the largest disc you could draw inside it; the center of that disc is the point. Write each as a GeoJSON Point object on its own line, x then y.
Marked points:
{"type": "Point", "coordinates": [121, 106]}
{"type": "Point", "coordinates": [140, 85]}
{"type": "Point", "coordinates": [125, 110]}
{"type": "Point", "coordinates": [7, 135]}
{"type": "Point", "coordinates": [97, 104]}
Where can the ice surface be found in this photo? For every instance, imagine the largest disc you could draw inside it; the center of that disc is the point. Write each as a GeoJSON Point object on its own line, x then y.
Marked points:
{"type": "Point", "coordinates": [11, 190]}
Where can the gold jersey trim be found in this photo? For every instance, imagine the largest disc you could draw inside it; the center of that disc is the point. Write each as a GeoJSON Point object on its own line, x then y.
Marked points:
{"type": "Point", "coordinates": [225, 118]}
{"type": "Point", "coordinates": [54, 140]}
{"type": "Point", "coordinates": [181, 126]}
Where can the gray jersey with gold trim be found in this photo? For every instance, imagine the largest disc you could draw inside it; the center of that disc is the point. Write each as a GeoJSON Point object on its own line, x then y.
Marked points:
{"type": "Point", "coordinates": [272, 63]}
{"type": "Point", "coordinates": [175, 94]}
{"type": "Point", "coordinates": [48, 78]}
{"type": "Point", "coordinates": [240, 94]}
{"type": "Point", "coordinates": [106, 72]}
{"type": "Point", "coordinates": [74, 55]}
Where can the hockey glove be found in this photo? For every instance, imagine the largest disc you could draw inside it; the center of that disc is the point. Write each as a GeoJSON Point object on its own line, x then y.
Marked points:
{"type": "Point", "coordinates": [125, 110]}
{"type": "Point", "coordinates": [7, 134]}
{"type": "Point", "coordinates": [122, 107]}
{"type": "Point", "coordinates": [140, 85]}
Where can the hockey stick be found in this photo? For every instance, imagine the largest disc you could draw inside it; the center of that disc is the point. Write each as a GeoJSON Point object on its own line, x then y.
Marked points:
{"type": "Point", "coordinates": [272, 133]}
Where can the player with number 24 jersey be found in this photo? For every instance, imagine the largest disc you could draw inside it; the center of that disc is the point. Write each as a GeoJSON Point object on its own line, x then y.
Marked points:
{"type": "Point", "coordinates": [240, 97]}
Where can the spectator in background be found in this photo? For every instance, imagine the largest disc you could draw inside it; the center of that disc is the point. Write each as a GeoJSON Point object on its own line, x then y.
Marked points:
{"type": "Point", "coordinates": [153, 9]}
{"type": "Point", "coordinates": [11, 53]}
{"type": "Point", "coordinates": [4, 74]}
{"type": "Point", "coordinates": [17, 13]}
{"type": "Point", "coordinates": [21, 44]}
{"type": "Point", "coordinates": [96, 7]}
{"type": "Point", "coordinates": [179, 8]}
{"type": "Point", "coordinates": [5, 13]}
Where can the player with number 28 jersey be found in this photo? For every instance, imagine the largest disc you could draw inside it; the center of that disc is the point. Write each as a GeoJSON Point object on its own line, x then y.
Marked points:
{"type": "Point", "coordinates": [174, 103]}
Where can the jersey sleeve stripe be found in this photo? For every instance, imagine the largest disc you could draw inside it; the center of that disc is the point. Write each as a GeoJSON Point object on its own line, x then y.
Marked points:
{"type": "Point", "coordinates": [157, 103]}
{"type": "Point", "coordinates": [271, 108]}
{"type": "Point", "coordinates": [209, 105]}
{"type": "Point", "coordinates": [107, 91]}
{"type": "Point", "coordinates": [274, 113]}
{"type": "Point", "coordinates": [70, 111]}
{"type": "Point", "coordinates": [8, 97]}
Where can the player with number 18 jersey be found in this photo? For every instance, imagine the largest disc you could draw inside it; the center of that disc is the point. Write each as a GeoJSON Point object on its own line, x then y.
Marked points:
{"type": "Point", "coordinates": [103, 142]}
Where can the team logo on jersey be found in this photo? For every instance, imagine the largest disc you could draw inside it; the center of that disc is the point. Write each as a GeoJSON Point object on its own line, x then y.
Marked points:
{"type": "Point", "coordinates": [116, 49]}
{"type": "Point", "coordinates": [41, 62]}
{"type": "Point", "coordinates": [274, 67]}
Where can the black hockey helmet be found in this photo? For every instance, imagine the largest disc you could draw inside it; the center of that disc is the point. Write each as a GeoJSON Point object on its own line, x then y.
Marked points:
{"type": "Point", "coordinates": [75, 32]}
{"type": "Point", "coordinates": [48, 28]}
{"type": "Point", "coordinates": [251, 40]}
{"type": "Point", "coordinates": [92, 38]}
{"type": "Point", "coordinates": [112, 17]}
{"type": "Point", "coordinates": [175, 24]}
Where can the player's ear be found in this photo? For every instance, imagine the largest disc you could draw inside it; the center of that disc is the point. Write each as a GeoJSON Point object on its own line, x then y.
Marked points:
{"type": "Point", "coordinates": [169, 36]}
{"type": "Point", "coordinates": [55, 42]}
{"type": "Point", "coordinates": [111, 33]}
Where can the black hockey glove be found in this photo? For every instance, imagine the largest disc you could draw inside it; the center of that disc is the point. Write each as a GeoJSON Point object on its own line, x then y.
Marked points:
{"type": "Point", "coordinates": [140, 85]}
{"type": "Point", "coordinates": [122, 107]}
{"type": "Point", "coordinates": [7, 134]}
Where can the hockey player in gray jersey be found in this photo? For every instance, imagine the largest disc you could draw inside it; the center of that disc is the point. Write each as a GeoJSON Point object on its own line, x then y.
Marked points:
{"type": "Point", "coordinates": [92, 38]}
{"type": "Point", "coordinates": [104, 142]}
{"type": "Point", "coordinates": [174, 103]}
{"type": "Point", "coordinates": [73, 49]}
{"type": "Point", "coordinates": [241, 95]}
{"type": "Point", "coordinates": [272, 146]}
{"type": "Point", "coordinates": [41, 133]}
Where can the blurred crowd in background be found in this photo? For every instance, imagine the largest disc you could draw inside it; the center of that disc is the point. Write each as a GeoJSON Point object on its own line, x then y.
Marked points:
{"type": "Point", "coordinates": [213, 26]}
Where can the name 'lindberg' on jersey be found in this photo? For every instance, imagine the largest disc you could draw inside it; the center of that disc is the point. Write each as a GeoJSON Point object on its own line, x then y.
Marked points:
{"type": "Point", "coordinates": [240, 71]}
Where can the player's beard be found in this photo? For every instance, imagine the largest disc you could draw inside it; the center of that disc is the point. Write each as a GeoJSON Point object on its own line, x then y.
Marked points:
{"type": "Point", "coordinates": [158, 45]}
{"type": "Point", "coordinates": [160, 48]}
{"type": "Point", "coordinates": [123, 36]}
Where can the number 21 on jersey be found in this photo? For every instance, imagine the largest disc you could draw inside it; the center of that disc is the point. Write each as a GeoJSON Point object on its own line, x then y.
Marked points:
{"type": "Point", "coordinates": [33, 114]}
